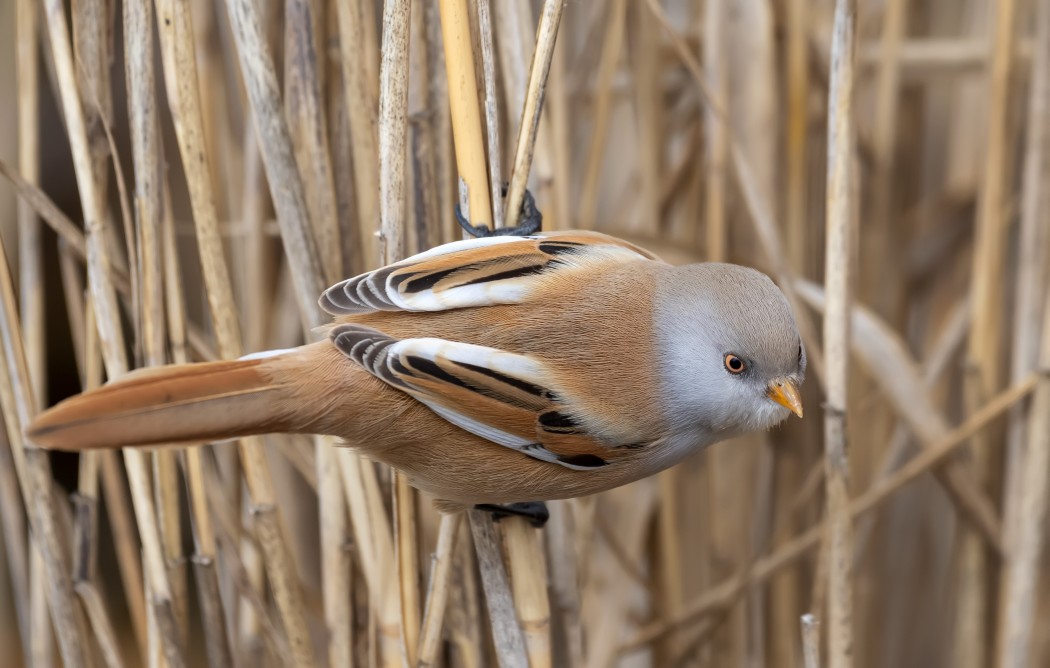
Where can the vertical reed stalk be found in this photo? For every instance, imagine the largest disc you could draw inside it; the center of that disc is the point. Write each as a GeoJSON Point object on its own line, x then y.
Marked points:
{"type": "Point", "coordinates": [546, 38]}
{"type": "Point", "coordinates": [1025, 480]}
{"type": "Point", "coordinates": [982, 353]}
{"type": "Point", "coordinates": [840, 211]}
{"type": "Point", "coordinates": [466, 113]}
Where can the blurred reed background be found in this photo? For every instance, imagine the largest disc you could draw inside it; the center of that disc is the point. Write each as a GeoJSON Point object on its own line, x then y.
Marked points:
{"type": "Point", "coordinates": [182, 177]}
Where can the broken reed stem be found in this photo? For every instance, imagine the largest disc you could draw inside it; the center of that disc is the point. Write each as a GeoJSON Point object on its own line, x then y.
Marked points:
{"type": "Point", "coordinates": [539, 70]}
{"type": "Point", "coordinates": [839, 247]}
{"type": "Point", "coordinates": [810, 641]}
{"type": "Point", "coordinates": [469, 138]}
{"type": "Point", "coordinates": [438, 589]}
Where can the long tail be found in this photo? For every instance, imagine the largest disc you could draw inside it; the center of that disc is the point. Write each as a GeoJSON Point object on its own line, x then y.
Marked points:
{"type": "Point", "coordinates": [189, 403]}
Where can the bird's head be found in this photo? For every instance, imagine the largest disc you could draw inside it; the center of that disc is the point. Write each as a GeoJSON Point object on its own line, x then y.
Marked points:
{"type": "Point", "coordinates": [732, 357]}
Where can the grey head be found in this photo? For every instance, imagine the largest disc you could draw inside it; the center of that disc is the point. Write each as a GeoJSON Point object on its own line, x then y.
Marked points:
{"type": "Point", "coordinates": [731, 355]}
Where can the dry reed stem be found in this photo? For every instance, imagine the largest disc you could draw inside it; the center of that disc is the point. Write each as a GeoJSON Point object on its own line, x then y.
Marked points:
{"type": "Point", "coordinates": [1019, 591]}
{"type": "Point", "coordinates": [644, 37]}
{"type": "Point", "coordinates": [179, 61]}
{"type": "Point", "coordinates": [810, 641]}
{"type": "Point", "coordinates": [425, 208]}
{"type": "Point", "coordinates": [307, 278]}
{"type": "Point", "coordinates": [528, 578]}
{"type": "Point", "coordinates": [1028, 446]}
{"type": "Point", "coordinates": [797, 131]}
{"type": "Point", "coordinates": [982, 354]}
{"type": "Point", "coordinates": [213, 622]}
{"type": "Point", "coordinates": [438, 590]}
{"type": "Point", "coordinates": [362, 107]}
{"type": "Point", "coordinates": [278, 158]}
{"type": "Point", "coordinates": [539, 70]}
{"type": "Point", "coordinates": [470, 158]}
{"type": "Point", "coordinates": [31, 300]}
{"type": "Point", "coordinates": [30, 279]}
{"type": "Point", "coordinates": [393, 127]}
{"type": "Point", "coordinates": [715, 134]}
{"type": "Point", "coordinates": [393, 145]}
{"type": "Point", "coordinates": [492, 130]}
{"type": "Point", "coordinates": [148, 219]}
{"type": "Point", "coordinates": [612, 45]}
{"type": "Point", "coordinates": [564, 583]}
{"type": "Point", "coordinates": [406, 531]}
{"type": "Point", "coordinates": [105, 635]}
{"type": "Point", "coordinates": [884, 289]}
{"type": "Point", "coordinates": [558, 139]}
{"type": "Point", "coordinates": [467, 130]}
{"type": "Point", "coordinates": [840, 225]}
{"type": "Point", "coordinates": [108, 321]}
{"type": "Point", "coordinates": [718, 596]}
{"type": "Point", "coordinates": [506, 633]}
{"type": "Point", "coordinates": [304, 109]}
{"type": "Point", "coordinates": [41, 651]}
{"type": "Point", "coordinates": [335, 560]}
{"type": "Point", "coordinates": [34, 475]}
{"type": "Point", "coordinates": [373, 537]}
{"type": "Point", "coordinates": [928, 57]}
{"type": "Point", "coordinates": [517, 38]}
{"type": "Point", "coordinates": [17, 544]}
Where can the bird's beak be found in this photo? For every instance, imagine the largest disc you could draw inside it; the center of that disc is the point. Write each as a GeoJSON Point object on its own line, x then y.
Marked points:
{"type": "Point", "coordinates": [785, 392]}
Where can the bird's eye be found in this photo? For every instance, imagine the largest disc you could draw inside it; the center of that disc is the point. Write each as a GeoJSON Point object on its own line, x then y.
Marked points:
{"type": "Point", "coordinates": [734, 364]}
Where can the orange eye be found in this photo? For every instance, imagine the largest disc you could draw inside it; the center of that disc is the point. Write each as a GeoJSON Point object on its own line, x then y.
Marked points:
{"type": "Point", "coordinates": [734, 364]}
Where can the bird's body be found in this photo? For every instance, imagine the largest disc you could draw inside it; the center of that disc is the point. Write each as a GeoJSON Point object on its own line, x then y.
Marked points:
{"type": "Point", "coordinates": [489, 372]}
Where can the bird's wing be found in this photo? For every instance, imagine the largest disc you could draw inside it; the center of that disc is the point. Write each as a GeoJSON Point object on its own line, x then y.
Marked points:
{"type": "Point", "coordinates": [506, 398]}
{"type": "Point", "coordinates": [477, 272]}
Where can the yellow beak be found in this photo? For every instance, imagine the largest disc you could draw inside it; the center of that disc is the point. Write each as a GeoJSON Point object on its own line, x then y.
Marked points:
{"type": "Point", "coordinates": [785, 392]}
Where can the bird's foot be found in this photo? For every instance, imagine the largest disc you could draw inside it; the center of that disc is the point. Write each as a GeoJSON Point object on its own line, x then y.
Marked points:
{"type": "Point", "coordinates": [531, 221]}
{"type": "Point", "coordinates": [534, 511]}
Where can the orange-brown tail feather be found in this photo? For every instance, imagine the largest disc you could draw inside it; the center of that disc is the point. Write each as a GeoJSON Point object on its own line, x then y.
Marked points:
{"type": "Point", "coordinates": [190, 403]}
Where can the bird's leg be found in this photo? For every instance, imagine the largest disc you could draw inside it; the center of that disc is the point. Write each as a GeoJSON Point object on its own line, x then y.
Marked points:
{"type": "Point", "coordinates": [534, 511]}
{"type": "Point", "coordinates": [531, 221]}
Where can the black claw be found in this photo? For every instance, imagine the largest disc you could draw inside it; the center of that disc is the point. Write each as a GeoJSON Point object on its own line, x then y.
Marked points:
{"type": "Point", "coordinates": [534, 511]}
{"type": "Point", "coordinates": [531, 221]}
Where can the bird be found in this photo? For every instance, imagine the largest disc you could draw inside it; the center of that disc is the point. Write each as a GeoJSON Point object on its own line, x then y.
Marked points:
{"type": "Point", "coordinates": [491, 371]}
